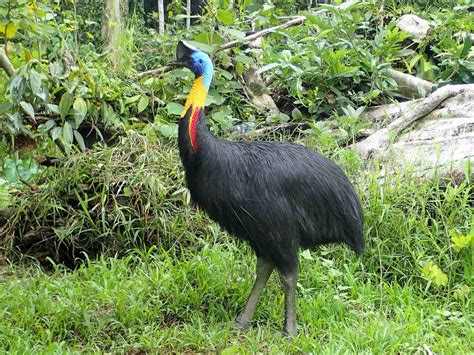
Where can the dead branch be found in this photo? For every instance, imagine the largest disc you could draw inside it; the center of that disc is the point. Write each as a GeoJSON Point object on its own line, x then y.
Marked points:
{"type": "Point", "coordinates": [409, 84]}
{"type": "Point", "coordinates": [293, 22]}
{"type": "Point", "coordinates": [154, 71]}
{"type": "Point", "coordinates": [5, 64]}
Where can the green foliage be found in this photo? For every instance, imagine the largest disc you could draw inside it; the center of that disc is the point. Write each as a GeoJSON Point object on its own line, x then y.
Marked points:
{"type": "Point", "coordinates": [110, 200]}
{"type": "Point", "coordinates": [14, 174]}
{"type": "Point", "coordinates": [410, 292]}
{"type": "Point", "coordinates": [335, 60]}
{"type": "Point", "coordinates": [114, 199]}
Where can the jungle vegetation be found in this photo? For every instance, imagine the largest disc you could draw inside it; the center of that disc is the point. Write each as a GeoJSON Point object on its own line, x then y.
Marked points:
{"type": "Point", "coordinates": [100, 247]}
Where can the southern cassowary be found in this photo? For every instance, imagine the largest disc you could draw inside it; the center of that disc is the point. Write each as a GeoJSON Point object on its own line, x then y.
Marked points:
{"type": "Point", "coordinates": [279, 197]}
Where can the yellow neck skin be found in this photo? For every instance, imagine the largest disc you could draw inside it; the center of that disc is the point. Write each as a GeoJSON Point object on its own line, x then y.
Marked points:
{"type": "Point", "coordinates": [197, 96]}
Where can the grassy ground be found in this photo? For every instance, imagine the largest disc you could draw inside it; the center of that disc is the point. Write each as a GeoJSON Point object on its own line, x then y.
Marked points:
{"type": "Point", "coordinates": [411, 290]}
{"type": "Point", "coordinates": [181, 304]}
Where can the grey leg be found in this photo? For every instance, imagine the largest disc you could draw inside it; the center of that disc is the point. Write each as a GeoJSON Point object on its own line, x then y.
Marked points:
{"type": "Point", "coordinates": [289, 285]}
{"type": "Point", "coordinates": [264, 270]}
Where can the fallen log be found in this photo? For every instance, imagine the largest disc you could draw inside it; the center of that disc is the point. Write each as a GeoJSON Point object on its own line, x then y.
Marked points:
{"type": "Point", "coordinates": [437, 131]}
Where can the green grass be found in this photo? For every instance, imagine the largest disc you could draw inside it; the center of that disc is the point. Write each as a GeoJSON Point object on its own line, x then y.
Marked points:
{"type": "Point", "coordinates": [166, 278]}
{"type": "Point", "coordinates": [167, 302]}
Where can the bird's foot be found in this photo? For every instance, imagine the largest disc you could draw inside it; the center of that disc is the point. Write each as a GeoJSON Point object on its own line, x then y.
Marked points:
{"type": "Point", "coordinates": [289, 332]}
{"type": "Point", "coordinates": [239, 324]}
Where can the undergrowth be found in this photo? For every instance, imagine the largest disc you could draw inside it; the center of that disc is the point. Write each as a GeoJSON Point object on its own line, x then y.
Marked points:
{"type": "Point", "coordinates": [113, 199]}
{"type": "Point", "coordinates": [154, 273]}
{"type": "Point", "coordinates": [108, 200]}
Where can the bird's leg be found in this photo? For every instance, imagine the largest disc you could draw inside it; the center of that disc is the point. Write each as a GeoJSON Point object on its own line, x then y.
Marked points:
{"type": "Point", "coordinates": [264, 270]}
{"type": "Point", "coordinates": [289, 284]}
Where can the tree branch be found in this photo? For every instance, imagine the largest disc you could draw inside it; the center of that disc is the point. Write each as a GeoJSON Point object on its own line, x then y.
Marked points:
{"type": "Point", "coordinates": [154, 71]}
{"type": "Point", "coordinates": [410, 84]}
{"type": "Point", "coordinates": [293, 22]}
{"type": "Point", "coordinates": [5, 64]}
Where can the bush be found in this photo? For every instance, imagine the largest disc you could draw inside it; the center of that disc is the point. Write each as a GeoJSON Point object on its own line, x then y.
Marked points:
{"type": "Point", "coordinates": [108, 200]}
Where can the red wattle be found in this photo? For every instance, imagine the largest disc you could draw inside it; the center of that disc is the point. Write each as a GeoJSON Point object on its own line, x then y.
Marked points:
{"type": "Point", "coordinates": [193, 125]}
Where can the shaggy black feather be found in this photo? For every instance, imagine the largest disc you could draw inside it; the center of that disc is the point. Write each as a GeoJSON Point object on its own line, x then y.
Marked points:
{"type": "Point", "coordinates": [279, 197]}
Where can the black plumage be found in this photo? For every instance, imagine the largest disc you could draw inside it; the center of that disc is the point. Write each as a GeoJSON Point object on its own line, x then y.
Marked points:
{"type": "Point", "coordinates": [279, 197]}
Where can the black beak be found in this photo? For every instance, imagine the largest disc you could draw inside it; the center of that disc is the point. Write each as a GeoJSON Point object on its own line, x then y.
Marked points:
{"type": "Point", "coordinates": [178, 64]}
{"type": "Point", "coordinates": [183, 55]}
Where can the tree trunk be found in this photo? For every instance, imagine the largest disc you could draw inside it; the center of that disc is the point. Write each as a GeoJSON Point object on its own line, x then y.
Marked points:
{"type": "Point", "coordinates": [111, 27]}
{"type": "Point", "coordinates": [161, 17]}
{"type": "Point", "coordinates": [188, 14]}
{"type": "Point", "coordinates": [5, 63]}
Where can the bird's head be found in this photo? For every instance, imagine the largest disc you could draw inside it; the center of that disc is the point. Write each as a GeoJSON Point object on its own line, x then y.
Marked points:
{"type": "Point", "coordinates": [199, 62]}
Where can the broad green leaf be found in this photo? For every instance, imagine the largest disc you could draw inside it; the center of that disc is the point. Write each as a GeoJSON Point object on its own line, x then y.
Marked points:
{"type": "Point", "coordinates": [222, 114]}
{"type": "Point", "coordinates": [227, 17]}
{"type": "Point", "coordinates": [226, 74]}
{"type": "Point", "coordinates": [9, 170]}
{"type": "Point", "coordinates": [415, 60]}
{"type": "Point", "coordinates": [35, 82]}
{"type": "Point", "coordinates": [80, 106]}
{"type": "Point", "coordinates": [209, 48]}
{"type": "Point", "coordinates": [169, 130]}
{"type": "Point", "coordinates": [267, 67]}
{"type": "Point", "coordinates": [284, 117]}
{"type": "Point", "coordinates": [239, 68]}
{"type": "Point", "coordinates": [65, 104]}
{"type": "Point", "coordinates": [28, 108]}
{"type": "Point", "coordinates": [214, 98]}
{"type": "Point", "coordinates": [132, 99]}
{"type": "Point", "coordinates": [306, 254]}
{"type": "Point", "coordinates": [180, 17]}
{"type": "Point", "coordinates": [56, 132]}
{"type": "Point", "coordinates": [244, 59]}
{"type": "Point", "coordinates": [149, 81]}
{"type": "Point", "coordinates": [67, 132]}
{"type": "Point", "coordinates": [54, 108]}
{"type": "Point", "coordinates": [359, 111]}
{"type": "Point", "coordinates": [80, 140]}
{"type": "Point", "coordinates": [174, 108]}
{"type": "Point", "coordinates": [207, 38]}
{"type": "Point", "coordinates": [433, 273]}
{"type": "Point", "coordinates": [49, 124]}
{"type": "Point", "coordinates": [9, 30]}
{"type": "Point", "coordinates": [315, 20]}
{"type": "Point", "coordinates": [466, 47]}
{"type": "Point", "coordinates": [461, 292]}
{"type": "Point", "coordinates": [143, 103]}
{"type": "Point", "coordinates": [460, 241]}
{"type": "Point", "coordinates": [234, 33]}
{"type": "Point", "coordinates": [296, 114]}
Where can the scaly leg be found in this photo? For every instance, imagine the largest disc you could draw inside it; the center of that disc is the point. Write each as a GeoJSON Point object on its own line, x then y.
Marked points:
{"type": "Point", "coordinates": [289, 284]}
{"type": "Point", "coordinates": [264, 270]}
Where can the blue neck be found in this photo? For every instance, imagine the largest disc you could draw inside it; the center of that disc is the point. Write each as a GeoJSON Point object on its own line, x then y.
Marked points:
{"type": "Point", "coordinates": [207, 74]}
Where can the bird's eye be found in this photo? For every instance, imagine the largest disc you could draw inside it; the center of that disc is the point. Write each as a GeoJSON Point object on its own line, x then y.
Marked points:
{"type": "Point", "coordinates": [200, 61]}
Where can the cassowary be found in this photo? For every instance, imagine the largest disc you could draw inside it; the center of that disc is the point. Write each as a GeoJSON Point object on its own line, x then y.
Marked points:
{"type": "Point", "coordinates": [279, 197]}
